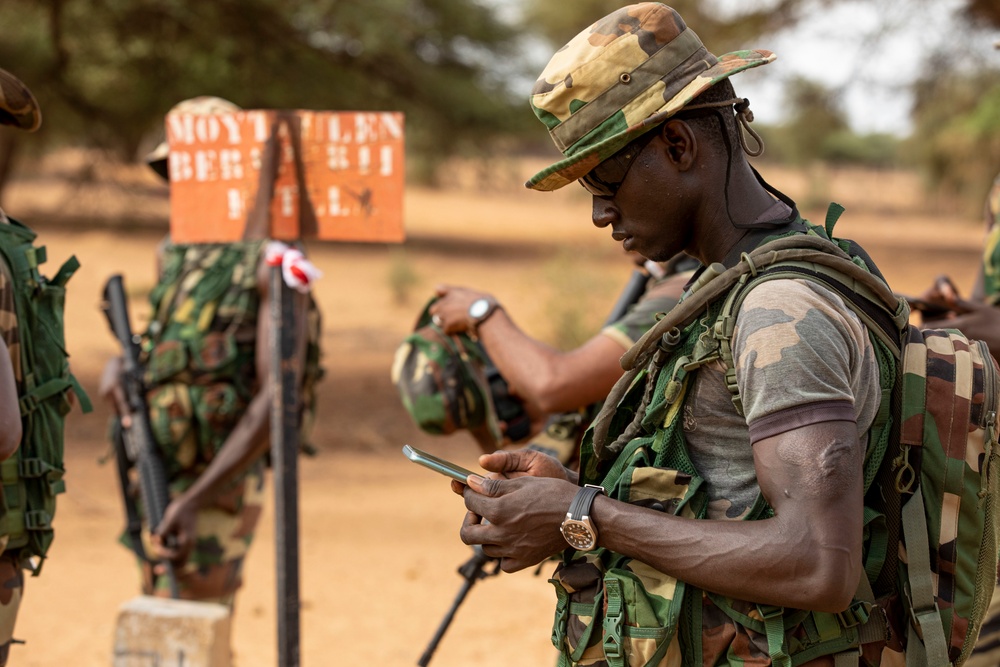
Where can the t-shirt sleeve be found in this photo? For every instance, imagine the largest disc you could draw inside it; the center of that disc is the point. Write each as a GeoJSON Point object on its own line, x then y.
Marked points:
{"type": "Point", "coordinates": [802, 357]}
{"type": "Point", "coordinates": [661, 297]}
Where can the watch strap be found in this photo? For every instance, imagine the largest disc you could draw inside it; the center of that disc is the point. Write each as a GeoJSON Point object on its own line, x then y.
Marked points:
{"type": "Point", "coordinates": [580, 507]}
{"type": "Point", "coordinates": [493, 307]}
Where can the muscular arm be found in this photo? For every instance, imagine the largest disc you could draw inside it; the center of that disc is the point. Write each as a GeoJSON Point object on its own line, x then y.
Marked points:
{"type": "Point", "coordinates": [808, 556]}
{"type": "Point", "coordinates": [547, 379]}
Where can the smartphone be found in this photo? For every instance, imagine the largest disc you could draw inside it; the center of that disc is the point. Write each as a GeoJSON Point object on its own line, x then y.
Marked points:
{"type": "Point", "coordinates": [446, 468]}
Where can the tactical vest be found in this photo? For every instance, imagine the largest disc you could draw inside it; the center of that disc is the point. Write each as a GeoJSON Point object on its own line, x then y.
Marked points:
{"type": "Point", "coordinates": [33, 476]}
{"type": "Point", "coordinates": [613, 610]}
{"type": "Point", "coordinates": [200, 351]}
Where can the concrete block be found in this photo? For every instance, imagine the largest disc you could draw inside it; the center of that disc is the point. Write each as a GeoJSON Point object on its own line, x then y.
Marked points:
{"type": "Point", "coordinates": [159, 632]}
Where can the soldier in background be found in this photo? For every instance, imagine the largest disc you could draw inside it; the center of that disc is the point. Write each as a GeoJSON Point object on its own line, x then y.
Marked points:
{"type": "Point", "coordinates": [209, 393]}
{"type": "Point", "coordinates": [18, 109]}
{"type": "Point", "coordinates": [556, 386]}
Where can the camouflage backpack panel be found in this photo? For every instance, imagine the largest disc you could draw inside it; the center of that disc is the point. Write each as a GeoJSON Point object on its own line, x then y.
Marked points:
{"type": "Point", "coordinates": [201, 350]}
{"type": "Point", "coordinates": [948, 482]}
{"type": "Point", "coordinates": [33, 322]}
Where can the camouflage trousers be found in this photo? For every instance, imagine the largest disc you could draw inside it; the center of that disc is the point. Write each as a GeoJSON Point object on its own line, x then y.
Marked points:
{"type": "Point", "coordinates": [223, 534]}
{"type": "Point", "coordinates": [11, 590]}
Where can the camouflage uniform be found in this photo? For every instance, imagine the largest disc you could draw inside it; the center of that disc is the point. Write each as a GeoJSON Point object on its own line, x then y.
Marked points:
{"type": "Point", "coordinates": [200, 352]}
{"type": "Point", "coordinates": [18, 108]}
{"type": "Point", "coordinates": [11, 574]}
{"type": "Point", "coordinates": [987, 653]}
{"type": "Point", "coordinates": [677, 440]}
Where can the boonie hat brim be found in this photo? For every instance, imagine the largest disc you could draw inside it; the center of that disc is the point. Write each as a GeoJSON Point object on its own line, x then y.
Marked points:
{"type": "Point", "coordinates": [578, 164]}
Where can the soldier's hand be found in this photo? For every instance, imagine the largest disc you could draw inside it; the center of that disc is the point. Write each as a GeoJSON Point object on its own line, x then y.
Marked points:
{"type": "Point", "coordinates": [516, 520]}
{"type": "Point", "coordinates": [174, 538]}
{"type": "Point", "coordinates": [110, 389]}
{"type": "Point", "coordinates": [451, 310]}
{"type": "Point", "coordinates": [514, 463]}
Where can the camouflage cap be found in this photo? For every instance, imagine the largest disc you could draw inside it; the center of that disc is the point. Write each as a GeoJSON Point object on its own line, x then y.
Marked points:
{"type": "Point", "coordinates": [619, 79]}
{"type": "Point", "coordinates": [18, 107]}
{"type": "Point", "coordinates": [205, 105]}
{"type": "Point", "coordinates": [442, 383]}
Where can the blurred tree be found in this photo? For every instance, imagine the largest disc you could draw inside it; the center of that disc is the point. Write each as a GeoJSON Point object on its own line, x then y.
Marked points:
{"type": "Point", "coordinates": [719, 28]}
{"type": "Point", "coordinates": [107, 71]}
{"type": "Point", "coordinates": [816, 116]}
{"type": "Point", "coordinates": [956, 137]}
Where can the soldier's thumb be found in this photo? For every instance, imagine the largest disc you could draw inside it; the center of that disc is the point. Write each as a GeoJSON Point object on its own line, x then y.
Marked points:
{"type": "Point", "coordinates": [486, 486]}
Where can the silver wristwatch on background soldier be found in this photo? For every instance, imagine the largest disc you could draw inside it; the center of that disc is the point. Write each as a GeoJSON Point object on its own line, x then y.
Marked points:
{"type": "Point", "coordinates": [480, 310]}
{"type": "Point", "coordinates": [577, 528]}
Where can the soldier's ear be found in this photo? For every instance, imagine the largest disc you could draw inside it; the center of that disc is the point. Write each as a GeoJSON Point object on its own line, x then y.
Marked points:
{"type": "Point", "coordinates": [680, 142]}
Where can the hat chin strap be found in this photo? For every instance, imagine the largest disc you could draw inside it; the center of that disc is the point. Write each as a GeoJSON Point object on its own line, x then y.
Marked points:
{"type": "Point", "coordinates": [743, 115]}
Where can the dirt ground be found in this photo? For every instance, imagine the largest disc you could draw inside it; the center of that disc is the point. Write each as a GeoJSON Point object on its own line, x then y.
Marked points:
{"type": "Point", "coordinates": [379, 540]}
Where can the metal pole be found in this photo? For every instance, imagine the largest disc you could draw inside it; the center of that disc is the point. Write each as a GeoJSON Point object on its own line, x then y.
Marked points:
{"type": "Point", "coordinates": [284, 461]}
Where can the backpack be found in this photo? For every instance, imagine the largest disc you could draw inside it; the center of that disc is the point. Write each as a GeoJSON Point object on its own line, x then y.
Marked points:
{"type": "Point", "coordinates": [33, 476]}
{"type": "Point", "coordinates": [931, 552]}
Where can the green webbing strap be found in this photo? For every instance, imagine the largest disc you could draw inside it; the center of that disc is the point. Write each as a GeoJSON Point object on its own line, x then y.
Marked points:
{"type": "Point", "coordinates": [933, 651]}
{"type": "Point", "coordinates": [614, 619]}
{"type": "Point", "coordinates": [30, 400]}
{"type": "Point", "coordinates": [833, 213]}
{"type": "Point", "coordinates": [66, 271]}
{"type": "Point", "coordinates": [85, 404]}
{"type": "Point", "coordinates": [561, 617]}
{"type": "Point", "coordinates": [774, 624]}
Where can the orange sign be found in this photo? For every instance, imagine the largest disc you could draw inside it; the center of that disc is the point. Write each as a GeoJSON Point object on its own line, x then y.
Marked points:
{"type": "Point", "coordinates": [328, 175]}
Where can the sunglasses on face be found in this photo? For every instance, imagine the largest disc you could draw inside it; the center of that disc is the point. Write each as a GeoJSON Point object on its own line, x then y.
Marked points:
{"type": "Point", "coordinates": [605, 179]}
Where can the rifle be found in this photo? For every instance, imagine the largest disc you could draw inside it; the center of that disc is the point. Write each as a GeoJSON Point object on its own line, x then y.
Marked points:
{"type": "Point", "coordinates": [138, 446]}
{"type": "Point", "coordinates": [475, 568]}
{"type": "Point", "coordinates": [472, 571]}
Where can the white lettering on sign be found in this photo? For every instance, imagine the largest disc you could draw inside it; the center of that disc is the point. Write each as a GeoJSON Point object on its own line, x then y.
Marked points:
{"type": "Point", "coordinates": [333, 198]}
{"type": "Point", "coordinates": [391, 125]}
{"type": "Point", "coordinates": [365, 127]}
{"type": "Point", "coordinates": [364, 160]}
{"type": "Point", "coordinates": [385, 161]}
{"type": "Point", "coordinates": [336, 157]}
{"type": "Point", "coordinates": [234, 204]}
{"type": "Point", "coordinates": [204, 166]}
{"type": "Point", "coordinates": [287, 196]}
{"type": "Point", "coordinates": [180, 166]}
{"type": "Point", "coordinates": [230, 164]}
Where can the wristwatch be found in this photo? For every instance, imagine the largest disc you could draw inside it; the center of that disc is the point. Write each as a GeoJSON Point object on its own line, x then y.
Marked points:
{"type": "Point", "coordinates": [480, 310]}
{"type": "Point", "coordinates": [577, 528]}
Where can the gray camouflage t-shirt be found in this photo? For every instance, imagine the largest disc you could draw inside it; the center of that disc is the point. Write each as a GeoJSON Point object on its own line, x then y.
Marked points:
{"type": "Point", "coordinates": [802, 357]}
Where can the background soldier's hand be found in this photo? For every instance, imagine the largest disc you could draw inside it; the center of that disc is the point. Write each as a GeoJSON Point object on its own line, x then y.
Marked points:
{"type": "Point", "coordinates": [110, 389]}
{"type": "Point", "coordinates": [451, 310]}
{"type": "Point", "coordinates": [174, 538]}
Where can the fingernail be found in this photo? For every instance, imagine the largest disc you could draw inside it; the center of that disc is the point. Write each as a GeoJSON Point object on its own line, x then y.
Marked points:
{"type": "Point", "coordinates": [478, 479]}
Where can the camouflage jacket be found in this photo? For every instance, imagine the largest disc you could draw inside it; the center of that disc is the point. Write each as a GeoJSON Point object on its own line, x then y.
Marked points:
{"type": "Point", "coordinates": [200, 351]}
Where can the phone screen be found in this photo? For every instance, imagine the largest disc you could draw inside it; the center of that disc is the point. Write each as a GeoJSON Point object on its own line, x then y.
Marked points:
{"type": "Point", "coordinates": [437, 464]}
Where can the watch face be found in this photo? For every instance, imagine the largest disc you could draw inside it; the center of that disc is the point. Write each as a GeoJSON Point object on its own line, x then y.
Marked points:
{"type": "Point", "coordinates": [479, 308]}
{"type": "Point", "coordinates": [579, 534]}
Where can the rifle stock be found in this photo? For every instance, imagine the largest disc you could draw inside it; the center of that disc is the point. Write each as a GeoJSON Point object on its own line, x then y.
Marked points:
{"type": "Point", "coordinates": [139, 445]}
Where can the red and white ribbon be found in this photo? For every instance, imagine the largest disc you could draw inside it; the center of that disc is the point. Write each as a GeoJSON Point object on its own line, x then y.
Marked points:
{"type": "Point", "coordinates": [299, 273]}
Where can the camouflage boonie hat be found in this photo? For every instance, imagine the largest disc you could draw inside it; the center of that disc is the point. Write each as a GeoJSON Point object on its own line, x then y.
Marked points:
{"type": "Point", "coordinates": [18, 107]}
{"type": "Point", "coordinates": [442, 383]}
{"type": "Point", "coordinates": [206, 105]}
{"type": "Point", "coordinates": [619, 79]}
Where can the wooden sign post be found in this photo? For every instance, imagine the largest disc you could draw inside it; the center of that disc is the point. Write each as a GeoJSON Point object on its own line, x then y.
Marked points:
{"type": "Point", "coordinates": [286, 175]}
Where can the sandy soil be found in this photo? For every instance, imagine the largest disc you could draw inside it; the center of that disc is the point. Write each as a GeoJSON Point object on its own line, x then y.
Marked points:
{"type": "Point", "coordinates": [379, 536]}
